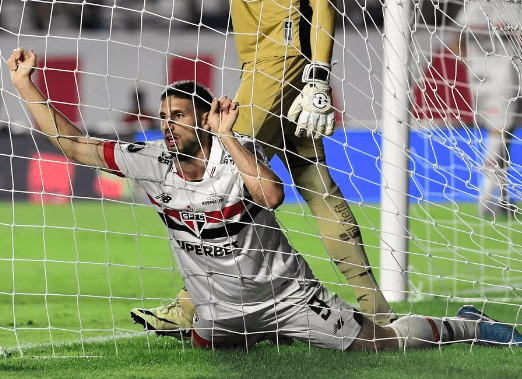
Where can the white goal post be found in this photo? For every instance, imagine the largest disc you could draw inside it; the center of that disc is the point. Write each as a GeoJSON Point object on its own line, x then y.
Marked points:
{"type": "Point", "coordinates": [427, 152]}
{"type": "Point", "coordinates": [395, 146]}
{"type": "Point", "coordinates": [502, 20]}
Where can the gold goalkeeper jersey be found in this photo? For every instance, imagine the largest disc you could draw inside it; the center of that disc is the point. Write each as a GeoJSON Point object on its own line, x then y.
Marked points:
{"type": "Point", "coordinates": [271, 28]}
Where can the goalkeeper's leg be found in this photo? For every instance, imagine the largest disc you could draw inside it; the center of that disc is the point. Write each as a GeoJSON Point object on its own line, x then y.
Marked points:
{"type": "Point", "coordinates": [341, 235]}
{"type": "Point", "coordinates": [261, 87]}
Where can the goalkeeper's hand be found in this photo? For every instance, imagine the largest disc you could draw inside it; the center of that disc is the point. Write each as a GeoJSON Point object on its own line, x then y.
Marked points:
{"type": "Point", "coordinates": [312, 110]}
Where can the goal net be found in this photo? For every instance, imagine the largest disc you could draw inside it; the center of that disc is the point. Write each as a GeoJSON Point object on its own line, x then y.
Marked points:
{"type": "Point", "coordinates": [426, 152]}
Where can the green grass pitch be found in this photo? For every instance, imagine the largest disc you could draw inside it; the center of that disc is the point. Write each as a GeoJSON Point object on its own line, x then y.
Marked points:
{"type": "Point", "coordinates": [69, 276]}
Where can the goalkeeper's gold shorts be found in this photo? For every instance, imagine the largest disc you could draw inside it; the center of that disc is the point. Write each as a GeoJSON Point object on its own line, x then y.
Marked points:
{"type": "Point", "coordinates": [268, 89]}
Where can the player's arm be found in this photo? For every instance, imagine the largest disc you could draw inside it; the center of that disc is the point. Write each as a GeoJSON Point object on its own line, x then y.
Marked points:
{"type": "Point", "coordinates": [322, 30]}
{"type": "Point", "coordinates": [312, 110]}
{"type": "Point", "coordinates": [262, 183]}
{"type": "Point", "coordinates": [60, 131]}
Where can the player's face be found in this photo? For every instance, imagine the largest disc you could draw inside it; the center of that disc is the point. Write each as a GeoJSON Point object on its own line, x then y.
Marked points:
{"type": "Point", "coordinates": [178, 124]}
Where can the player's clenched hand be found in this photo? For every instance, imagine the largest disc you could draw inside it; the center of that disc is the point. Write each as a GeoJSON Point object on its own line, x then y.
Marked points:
{"type": "Point", "coordinates": [312, 110]}
{"type": "Point", "coordinates": [223, 115]}
{"type": "Point", "coordinates": [21, 65]}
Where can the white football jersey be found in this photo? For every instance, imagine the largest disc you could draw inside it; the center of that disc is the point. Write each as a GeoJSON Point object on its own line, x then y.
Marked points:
{"type": "Point", "coordinates": [231, 252]}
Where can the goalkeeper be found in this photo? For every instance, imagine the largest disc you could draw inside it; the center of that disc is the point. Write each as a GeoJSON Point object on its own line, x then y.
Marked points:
{"type": "Point", "coordinates": [285, 55]}
{"type": "Point", "coordinates": [247, 283]}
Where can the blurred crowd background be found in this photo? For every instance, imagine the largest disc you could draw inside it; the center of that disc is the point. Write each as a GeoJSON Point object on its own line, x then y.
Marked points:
{"type": "Point", "coordinates": [135, 14]}
{"type": "Point", "coordinates": [103, 63]}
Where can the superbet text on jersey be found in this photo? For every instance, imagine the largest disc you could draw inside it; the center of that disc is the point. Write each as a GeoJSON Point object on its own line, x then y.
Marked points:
{"type": "Point", "coordinates": [227, 247]}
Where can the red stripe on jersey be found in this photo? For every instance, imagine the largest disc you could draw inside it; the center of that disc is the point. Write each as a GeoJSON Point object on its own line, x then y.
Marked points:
{"type": "Point", "coordinates": [108, 154]}
{"type": "Point", "coordinates": [225, 213]}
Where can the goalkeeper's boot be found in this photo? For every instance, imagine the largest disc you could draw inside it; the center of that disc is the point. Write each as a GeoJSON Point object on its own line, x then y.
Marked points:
{"type": "Point", "coordinates": [383, 319]}
{"type": "Point", "coordinates": [492, 332]}
{"type": "Point", "coordinates": [172, 319]}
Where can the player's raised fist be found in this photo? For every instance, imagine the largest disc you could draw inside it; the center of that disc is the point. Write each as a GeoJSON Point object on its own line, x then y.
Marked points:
{"type": "Point", "coordinates": [223, 115]}
{"type": "Point", "coordinates": [21, 65]}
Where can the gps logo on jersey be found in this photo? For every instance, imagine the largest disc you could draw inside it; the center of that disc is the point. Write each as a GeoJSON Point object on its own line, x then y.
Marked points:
{"type": "Point", "coordinates": [165, 198]}
{"type": "Point", "coordinates": [321, 308]}
{"type": "Point", "coordinates": [212, 199]}
{"type": "Point", "coordinates": [165, 158]}
{"type": "Point", "coordinates": [216, 251]}
{"type": "Point", "coordinates": [227, 159]}
{"type": "Point", "coordinates": [194, 220]}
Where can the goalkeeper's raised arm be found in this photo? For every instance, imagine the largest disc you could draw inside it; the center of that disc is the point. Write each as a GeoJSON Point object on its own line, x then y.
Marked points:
{"type": "Point", "coordinates": [62, 132]}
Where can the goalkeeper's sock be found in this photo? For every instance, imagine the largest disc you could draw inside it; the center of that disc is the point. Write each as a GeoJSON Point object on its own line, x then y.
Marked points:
{"type": "Point", "coordinates": [370, 298]}
{"type": "Point", "coordinates": [424, 332]}
{"type": "Point", "coordinates": [342, 238]}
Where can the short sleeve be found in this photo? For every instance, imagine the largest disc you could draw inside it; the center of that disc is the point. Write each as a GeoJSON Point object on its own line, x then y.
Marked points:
{"type": "Point", "coordinates": [108, 153]}
{"type": "Point", "coordinates": [133, 160]}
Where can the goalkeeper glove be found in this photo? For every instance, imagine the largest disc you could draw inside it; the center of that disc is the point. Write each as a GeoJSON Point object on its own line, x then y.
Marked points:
{"type": "Point", "coordinates": [312, 110]}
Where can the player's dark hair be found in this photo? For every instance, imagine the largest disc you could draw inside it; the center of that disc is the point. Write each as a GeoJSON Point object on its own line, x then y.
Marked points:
{"type": "Point", "coordinates": [190, 90]}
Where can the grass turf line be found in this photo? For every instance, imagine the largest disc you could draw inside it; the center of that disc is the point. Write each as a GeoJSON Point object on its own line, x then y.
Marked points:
{"type": "Point", "coordinates": [169, 358]}
{"type": "Point", "coordinates": [106, 258]}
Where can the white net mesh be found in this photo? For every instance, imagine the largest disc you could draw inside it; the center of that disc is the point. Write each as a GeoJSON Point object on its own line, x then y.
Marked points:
{"type": "Point", "coordinates": [79, 247]}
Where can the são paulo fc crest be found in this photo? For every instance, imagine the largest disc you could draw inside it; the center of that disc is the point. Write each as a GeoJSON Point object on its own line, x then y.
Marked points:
{"type": "Point", "coordinates": [194, 220]}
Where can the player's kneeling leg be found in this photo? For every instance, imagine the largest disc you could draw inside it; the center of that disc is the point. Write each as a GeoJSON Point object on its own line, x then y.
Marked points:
{"type": "Point", "coordinates": [414, 332]}
{"type": "Point", "coordinates": [424, 332]}
{"type": "Point", "coordinates": [224, 334]}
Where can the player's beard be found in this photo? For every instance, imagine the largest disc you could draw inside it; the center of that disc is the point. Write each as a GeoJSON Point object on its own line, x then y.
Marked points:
{"type": "Point", "coordinates": [191, 148]}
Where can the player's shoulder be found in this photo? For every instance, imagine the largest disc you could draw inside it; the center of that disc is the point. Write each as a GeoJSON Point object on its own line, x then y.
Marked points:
{"type": "Point", "coordinates": [140, 147]}
{"type": "Point", "coordinates": [151, 152]}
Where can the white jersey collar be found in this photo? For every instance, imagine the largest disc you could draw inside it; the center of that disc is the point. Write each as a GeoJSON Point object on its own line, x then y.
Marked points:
{"type": "Point", "coordinates": [216, 153]}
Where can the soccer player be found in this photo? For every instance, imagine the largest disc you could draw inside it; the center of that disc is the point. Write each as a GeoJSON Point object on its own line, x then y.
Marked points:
{"type": "Point", "coordinates": [215, 192]}
{"type": "Point", "coordinates": [285, 52]}
{"type": "Point", "coordinates": [485, 42]}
